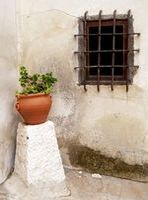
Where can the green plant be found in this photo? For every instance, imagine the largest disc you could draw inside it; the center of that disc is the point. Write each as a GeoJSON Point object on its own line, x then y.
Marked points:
{"type": "Point", "coordinates": [36, 83]}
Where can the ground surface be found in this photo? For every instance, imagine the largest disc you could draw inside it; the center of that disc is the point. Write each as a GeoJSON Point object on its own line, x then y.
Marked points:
{"type": "Point", "coordinates": [82, 186]}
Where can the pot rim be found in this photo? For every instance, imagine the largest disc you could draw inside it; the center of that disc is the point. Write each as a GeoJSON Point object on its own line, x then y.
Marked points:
{"type": "Point", "coordinates": [32, 95]}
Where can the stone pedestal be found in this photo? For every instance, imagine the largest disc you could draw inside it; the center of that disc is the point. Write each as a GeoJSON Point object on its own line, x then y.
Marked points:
{"type": "Point", "coordinates": [38, 162]}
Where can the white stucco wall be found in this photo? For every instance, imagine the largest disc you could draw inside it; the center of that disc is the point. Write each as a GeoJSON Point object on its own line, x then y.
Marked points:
{"type": "Point", "coordinates": [8, 64]}
{"type": "Point", "coordinates": [107, 121]}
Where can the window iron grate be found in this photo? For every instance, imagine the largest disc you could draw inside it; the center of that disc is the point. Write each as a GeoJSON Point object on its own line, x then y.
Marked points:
{"type": "Point", "coordinates": [85, 51]}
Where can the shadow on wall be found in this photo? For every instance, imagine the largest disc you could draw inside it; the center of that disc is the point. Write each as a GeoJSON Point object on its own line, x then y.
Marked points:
{"type": "Point", "coordinates": [8, 119]}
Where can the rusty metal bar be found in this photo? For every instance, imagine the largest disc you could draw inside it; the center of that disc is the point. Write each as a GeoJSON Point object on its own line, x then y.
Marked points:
{"type": "Point", "coordinates": [127, 69]}
{"type": "Point", "coordinates": [88, 48]}
{"type": "Point", "coordinates": [113, 48]}
{"type": "Point", "coordinates": [85, 41]}
{"type": "Point", "coordinates": [102, 66]}
{"type": "Point", "coordinates": [99, 48]}
{"type": "Point", "coordinates": [109, 51]}
{"type": "Point", "coordinates": [104, 34]}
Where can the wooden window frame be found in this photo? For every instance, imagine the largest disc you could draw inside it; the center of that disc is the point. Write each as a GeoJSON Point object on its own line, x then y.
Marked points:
{"type": "Point", "coordinates": [91, 79]}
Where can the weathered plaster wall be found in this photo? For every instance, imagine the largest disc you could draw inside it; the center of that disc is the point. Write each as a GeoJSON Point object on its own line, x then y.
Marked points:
{"type": "Point", "coordinates": [113, 122]}
{"type": "Point", "coordinates": [8, 60]}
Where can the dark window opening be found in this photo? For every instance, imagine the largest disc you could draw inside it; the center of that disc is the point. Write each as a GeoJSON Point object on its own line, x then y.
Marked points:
{"type": "Point", "coordinates": [104, 46]}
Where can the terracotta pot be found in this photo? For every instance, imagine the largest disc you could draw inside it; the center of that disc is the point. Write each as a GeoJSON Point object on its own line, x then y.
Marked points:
{"type": "Point", "coordinates": [34, 108]}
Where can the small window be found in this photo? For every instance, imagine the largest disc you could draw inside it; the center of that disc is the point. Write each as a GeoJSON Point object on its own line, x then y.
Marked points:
{"type": "Point", "coordinates": [111, 55]}
{"type": "Point", "coordinates": [106, 54]}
